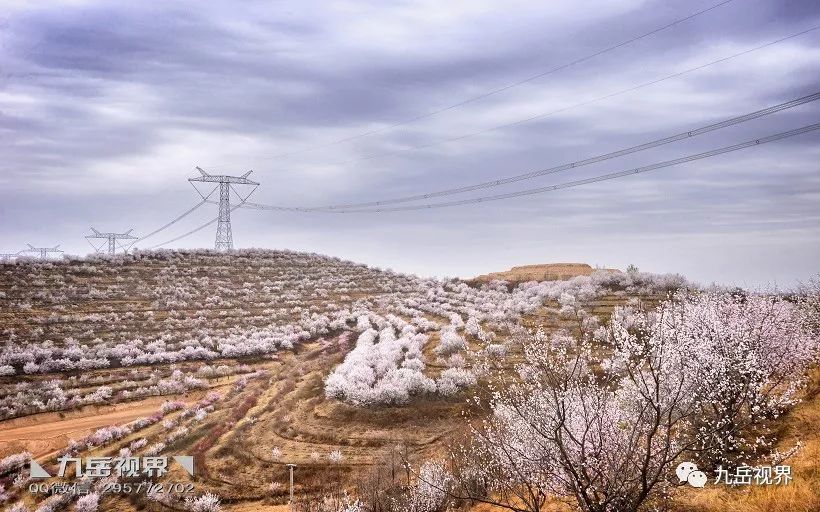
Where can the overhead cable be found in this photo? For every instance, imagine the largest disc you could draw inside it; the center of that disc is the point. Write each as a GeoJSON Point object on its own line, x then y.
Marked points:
{"type": "Point", "coordinates": [575, 183]}
{"type": "Point", "coordinates": [587, 161]}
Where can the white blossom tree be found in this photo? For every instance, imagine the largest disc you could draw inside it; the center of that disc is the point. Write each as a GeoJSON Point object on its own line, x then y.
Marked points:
{"type": "Point", "coordinates": [695, 378]}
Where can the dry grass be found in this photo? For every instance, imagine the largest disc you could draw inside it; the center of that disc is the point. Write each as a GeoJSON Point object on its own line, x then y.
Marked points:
{"type": "Point", "coordinates": [801, 495]}
{"type": "Point", "coordinates": [544, 272]}
{"type": "Point", "coordinates": [803, 492]}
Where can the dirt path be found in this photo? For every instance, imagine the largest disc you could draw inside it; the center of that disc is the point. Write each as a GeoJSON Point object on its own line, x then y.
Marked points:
{"type": "Point", "coordinates": [43, 433]}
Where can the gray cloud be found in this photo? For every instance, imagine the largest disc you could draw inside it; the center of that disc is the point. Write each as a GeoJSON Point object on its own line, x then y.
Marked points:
{"type": "Point", "coordinates": [106, 108]}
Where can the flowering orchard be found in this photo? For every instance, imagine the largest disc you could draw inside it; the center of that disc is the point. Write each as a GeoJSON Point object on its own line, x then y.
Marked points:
{"type": "Point", "coordinates": [355, 343]}
{"type": "Point", "coordinates": [170, 307]}
{"type": "Point", "coordinates": [704, 377]}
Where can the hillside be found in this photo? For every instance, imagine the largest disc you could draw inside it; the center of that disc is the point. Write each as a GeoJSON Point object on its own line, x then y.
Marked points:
{"type": "Point", "coordinates": [542, 272]}
{"type": "Point", "coordinates": [257, 359]}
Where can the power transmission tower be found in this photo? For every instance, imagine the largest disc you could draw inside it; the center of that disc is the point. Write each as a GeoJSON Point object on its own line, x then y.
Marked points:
{"type": "Point", "coordinates": [111, 238]}
{"type": "Point", "coordinates": [44, 251]}
{"type": "Point", "coordinates": [224, 234]}
{"type": "Point", "coordinates": [8, 256]}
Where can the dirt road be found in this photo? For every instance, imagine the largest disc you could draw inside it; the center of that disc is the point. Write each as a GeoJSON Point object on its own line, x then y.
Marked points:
{"type": "Point", "coordinates": [44, 433]}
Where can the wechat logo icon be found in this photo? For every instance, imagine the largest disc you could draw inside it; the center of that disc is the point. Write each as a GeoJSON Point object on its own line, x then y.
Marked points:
{"type": "Point", "coordinates": [688, 472]}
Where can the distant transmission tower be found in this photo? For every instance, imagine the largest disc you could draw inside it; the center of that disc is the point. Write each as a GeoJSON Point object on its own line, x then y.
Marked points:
{"type": "Point", "coordinates": [8, 256]}
{"type": "Point", "coordinates": [224, 235]}
{"type": "Point", "coordinates": [111, 238]}
{"type": "Point", "coordinates": [44, 251]}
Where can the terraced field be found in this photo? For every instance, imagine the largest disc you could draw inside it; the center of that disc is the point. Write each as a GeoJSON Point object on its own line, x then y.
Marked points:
{"type": "Point", "coordinates": [225, 357]}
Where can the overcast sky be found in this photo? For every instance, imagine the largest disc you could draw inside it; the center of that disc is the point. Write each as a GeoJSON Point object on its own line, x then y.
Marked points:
{"type": "Point", "coordinates": [106, 107]}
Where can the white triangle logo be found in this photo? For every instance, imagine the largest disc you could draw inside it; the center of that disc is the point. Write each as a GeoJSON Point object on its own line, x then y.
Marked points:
{"type": "Point", "coordinates": [187, 463]}
{"type": "Point", "coordinates": [37, 470]}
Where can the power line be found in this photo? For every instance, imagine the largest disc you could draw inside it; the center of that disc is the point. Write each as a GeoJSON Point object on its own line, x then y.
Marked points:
{"type": "Point", "coordinates": [576, 183]}
{"type": "Point", "coordinates": [195, 230]}
{"type": "Point", "coordinates": [189, 233]}
{"type": "Point", "coordinates": [587, 161]}
{"type": "Point", "coordinates": [177, 219]}
{"type": "Point", "coordinates": [508, 86]}
{"type": "Point", "coordinates": [563, 167]}
{"type": "Point", "coordinates": [609, 176]}
{"type": "Point", "coordinates": [598, 99]}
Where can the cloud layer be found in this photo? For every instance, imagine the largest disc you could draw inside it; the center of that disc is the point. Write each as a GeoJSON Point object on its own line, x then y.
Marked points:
{"type": "Point", "coordinates": [105, 109]}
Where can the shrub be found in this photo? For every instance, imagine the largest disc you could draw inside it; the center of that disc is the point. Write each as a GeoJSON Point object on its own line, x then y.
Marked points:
{"type": "Point", "coordinates": [449, 342]}
{"type": "Point", "coordinates": [206, 503]}
{"type": "Point", "coordinates": [88, 503]}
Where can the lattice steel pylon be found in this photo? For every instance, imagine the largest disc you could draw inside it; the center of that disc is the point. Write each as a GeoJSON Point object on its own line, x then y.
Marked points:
{"type": "Point", "coordinates": [224, 233]}
{"type": "Point", "coordinates": [111, 238]}
{"type": "Point", "coordinates": [43, 251]}
{"type": "Point", "coordinates": [8, 256]}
